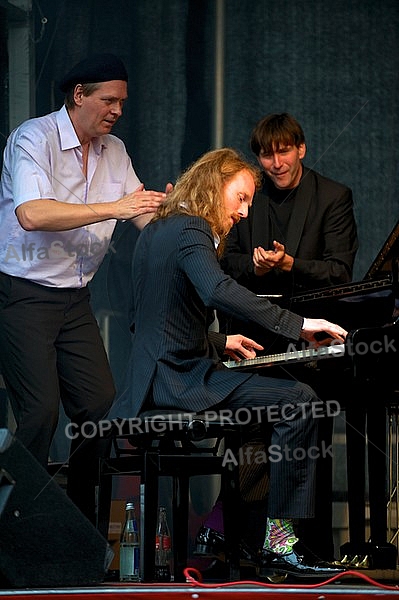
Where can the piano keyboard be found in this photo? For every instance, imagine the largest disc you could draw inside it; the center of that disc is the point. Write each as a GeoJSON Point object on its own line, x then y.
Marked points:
{"type": "Point", "coordinates": [296, 356]}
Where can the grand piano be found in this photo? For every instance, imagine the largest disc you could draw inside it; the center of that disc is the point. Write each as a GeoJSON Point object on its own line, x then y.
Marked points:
{"type": "Point", "coordinates": [364, 375]}
{"type": "Point", "coordinates": [369, 310]}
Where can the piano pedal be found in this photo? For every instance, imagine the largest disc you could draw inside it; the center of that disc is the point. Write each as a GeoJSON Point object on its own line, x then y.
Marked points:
{"type": "Point", "coordinates": [348, 560]}
{"type": "Point", "coordinates": [364, 563]}
{"type": "Point", "coordinates": [369, 556]}
{"type": "Point", "coordinates": [354, 561]}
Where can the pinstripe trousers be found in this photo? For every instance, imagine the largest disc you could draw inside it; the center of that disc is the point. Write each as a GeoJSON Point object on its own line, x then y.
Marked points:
{"type": "Point", "coordinates": [290, 409]}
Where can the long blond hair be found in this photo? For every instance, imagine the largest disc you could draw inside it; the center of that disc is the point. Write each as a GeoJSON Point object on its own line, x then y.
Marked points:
{"type": "Point", "coordinates": [199, 190]}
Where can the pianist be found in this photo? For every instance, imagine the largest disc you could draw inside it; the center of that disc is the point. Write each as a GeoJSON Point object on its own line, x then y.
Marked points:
{"type": "Point", "coordinates": [175, 361]}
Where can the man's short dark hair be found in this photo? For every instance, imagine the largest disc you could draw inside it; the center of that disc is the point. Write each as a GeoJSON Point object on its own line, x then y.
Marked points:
{"type": "Point", "coordinates": [275, 131]}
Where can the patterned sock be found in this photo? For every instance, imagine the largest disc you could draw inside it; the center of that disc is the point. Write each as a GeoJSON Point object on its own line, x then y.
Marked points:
{"type": "Point", "coordinates": [280, 536]}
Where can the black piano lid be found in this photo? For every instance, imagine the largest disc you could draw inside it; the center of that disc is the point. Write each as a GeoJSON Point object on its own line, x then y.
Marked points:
{"type": "Point", "coordinates": [383, 263]}
{"type": "Point", "coordinates": [371, 302]}
{"type": "Point", "coordinates": [381, 278]}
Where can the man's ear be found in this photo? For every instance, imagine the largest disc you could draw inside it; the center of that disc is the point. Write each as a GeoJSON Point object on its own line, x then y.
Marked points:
{"type": "Point", "coordinates": [78, 94]}
{"type": "Point", "coordinates": [302, 151]}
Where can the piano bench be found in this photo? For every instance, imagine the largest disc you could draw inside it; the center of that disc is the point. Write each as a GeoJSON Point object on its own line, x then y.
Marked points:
{"type": "Point", "coordinates": [159, 443]}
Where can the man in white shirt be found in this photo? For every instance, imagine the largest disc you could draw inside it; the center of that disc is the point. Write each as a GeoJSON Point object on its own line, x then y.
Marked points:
{"type": "Point", "coordinates": [65, 183]}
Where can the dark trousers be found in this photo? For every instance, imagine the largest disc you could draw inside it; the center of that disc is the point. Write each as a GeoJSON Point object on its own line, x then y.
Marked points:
{"type": "Point", "coordinates": [315, 533]}
{"type": "Point", "coordinates": [52, 351]}
{"type": "Point", "coordinates": [291, 441]}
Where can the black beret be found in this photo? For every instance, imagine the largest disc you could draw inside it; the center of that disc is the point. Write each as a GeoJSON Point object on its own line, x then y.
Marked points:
{"type": "Point", "coordinates": [95, 69]}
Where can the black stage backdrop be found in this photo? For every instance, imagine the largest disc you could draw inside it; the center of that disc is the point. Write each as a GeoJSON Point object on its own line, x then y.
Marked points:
{"type": "Point", "coordinates": [333, 64]}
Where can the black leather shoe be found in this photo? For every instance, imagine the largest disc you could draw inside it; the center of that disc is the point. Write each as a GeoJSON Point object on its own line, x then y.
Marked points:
{"type": "Point", "coordinates": [210, 543]}
{"type": "Point", "coordinates": [294, 564]}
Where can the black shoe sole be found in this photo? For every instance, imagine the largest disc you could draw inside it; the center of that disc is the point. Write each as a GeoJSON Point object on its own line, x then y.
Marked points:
{"type": "Point", "coordinates": [205, 551]}
{"type": "Point", "coordinates": [269, 573]}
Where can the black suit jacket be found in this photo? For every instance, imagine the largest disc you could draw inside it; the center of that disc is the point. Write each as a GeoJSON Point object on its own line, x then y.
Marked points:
{"type": "Point", "coordinates": [322, 238]}
{"type": "Point", "coordinates": [177, 284]}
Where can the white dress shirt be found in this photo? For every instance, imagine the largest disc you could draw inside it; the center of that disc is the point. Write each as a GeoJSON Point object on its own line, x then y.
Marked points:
{"type": "Point", "coordinates": [43, 159]}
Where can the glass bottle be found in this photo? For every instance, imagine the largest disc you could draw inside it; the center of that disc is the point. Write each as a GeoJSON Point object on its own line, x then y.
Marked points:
{"type": "Point", "coordinates": [163, 547]}
{"type": "Point", "coordinates": [129, 557]}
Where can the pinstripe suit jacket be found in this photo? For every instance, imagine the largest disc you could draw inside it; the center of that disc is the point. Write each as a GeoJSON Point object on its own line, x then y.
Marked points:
{"type": "Point", "coordinates": [177, 284]}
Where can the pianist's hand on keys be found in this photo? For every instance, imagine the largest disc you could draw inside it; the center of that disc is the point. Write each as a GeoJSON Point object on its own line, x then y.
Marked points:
{"type": "Point", "coordinates": [239, 347]}
{"type": "Point", "coordinates": [312, 328]}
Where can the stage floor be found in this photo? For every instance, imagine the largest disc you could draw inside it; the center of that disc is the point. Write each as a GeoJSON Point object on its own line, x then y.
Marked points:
{"type": "Point", "coordinates": [343, 586]}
